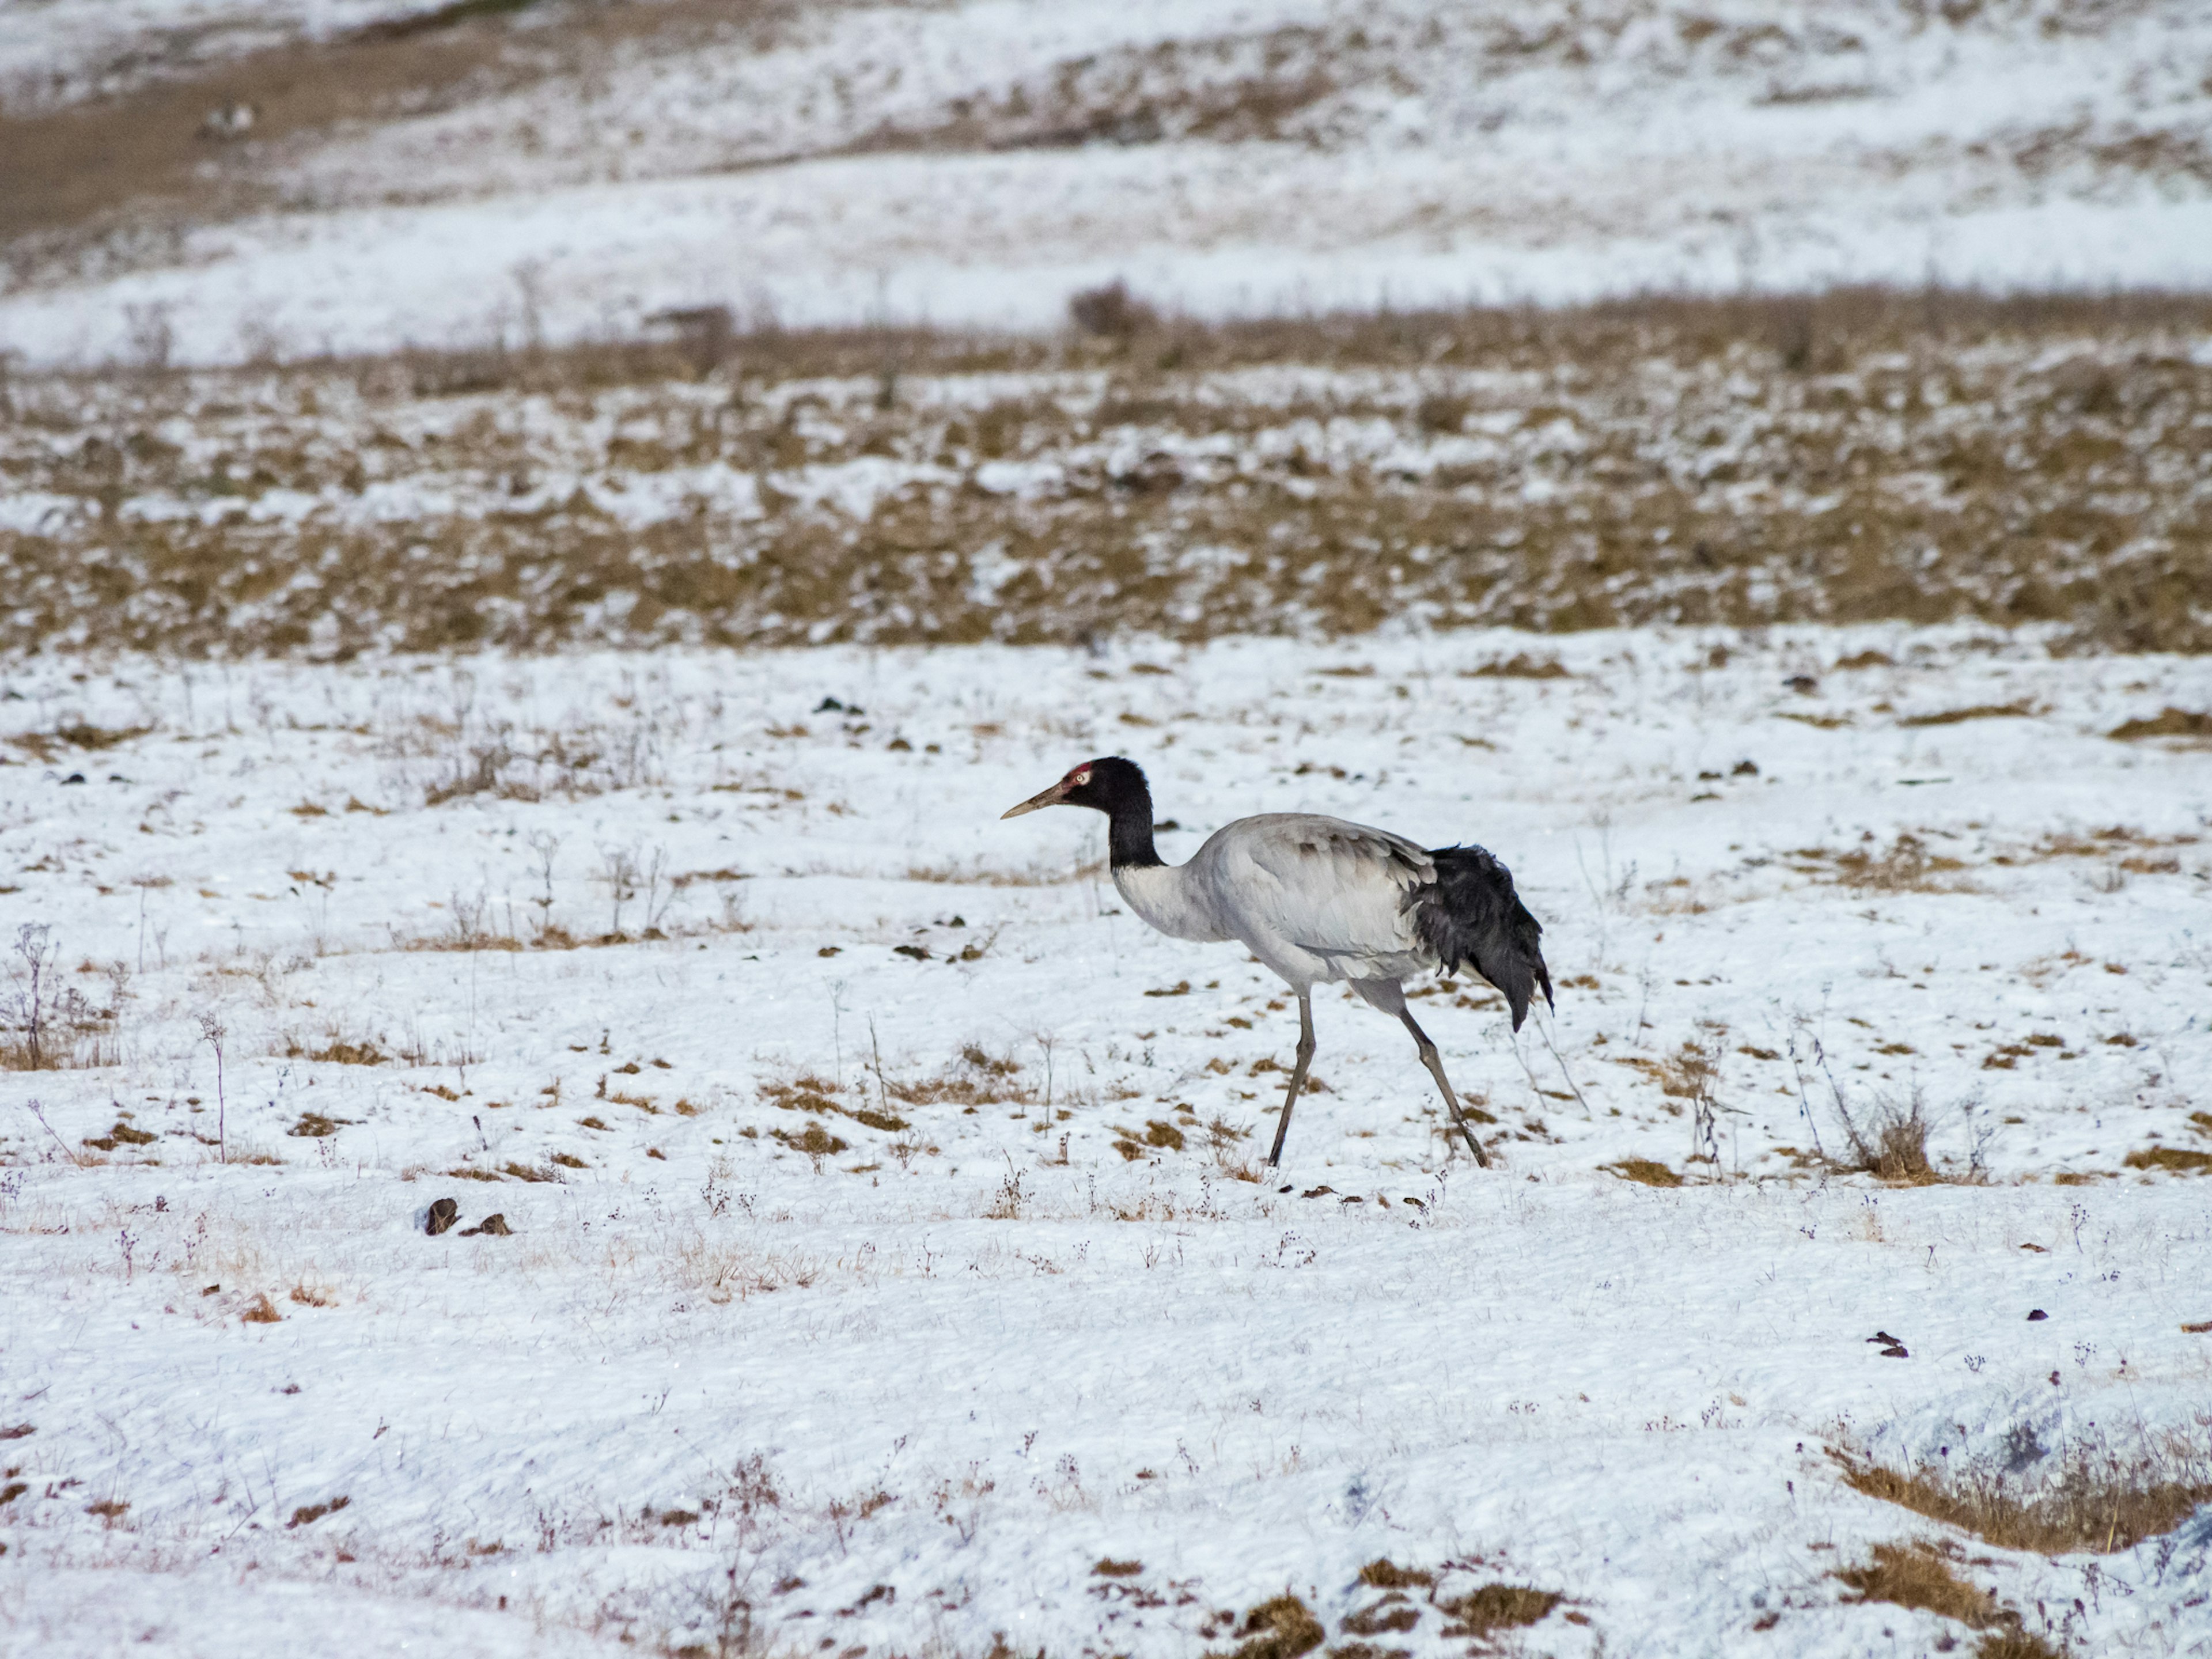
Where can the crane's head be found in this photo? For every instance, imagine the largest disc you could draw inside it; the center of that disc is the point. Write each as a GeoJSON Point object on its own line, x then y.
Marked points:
{"type": "Point", "coordinates": [1101, 785]}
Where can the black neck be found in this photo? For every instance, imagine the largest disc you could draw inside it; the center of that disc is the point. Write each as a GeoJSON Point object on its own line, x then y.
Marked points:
{"type": "Point", "coordinates": [1129, 830]}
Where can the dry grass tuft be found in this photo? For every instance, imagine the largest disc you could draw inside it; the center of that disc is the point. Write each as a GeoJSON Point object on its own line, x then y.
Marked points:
{"type": "Point", "coordinates": [814, 1141]}
{"type": "Point", "coordinates": [47, 1024]}
{"type": "Point", "coordinates": [1382, 1573]}
{"type": "Point", "coordinates": [1498, 1606]}
{"type": "Point", "coordinates": [1281, 1628]}
{"type": "Point", "coordinates": [1905, 867]}
{"type": "Point", "coordinates": [337, 1049]}
{"type": "Point", "coordinates": [1645, 1171]}
{"type": "Point", "coordinates": [1519, 666]}
{"type": "Point", "coordinates": [262, 1312]}
{"type": "Point", "coordinates": [1919, 1575]}
{"type": "Point", "coordinates": [78, 734]}
{"type": "Point", "coordinates": [807, 1092]}
{"type": "Point", "coordinates": [2013, 1643]}
{"type": "Point", "coordinates": [1980, 711]}
{"type": "Point", "coordinates": [810, 1093]}
{"type": "Point", "coordinates": [2181, 1160]}
{"type": "Point", "coordinates": [307, 1513]}
{"type": "Point", "coordinates": [122, 1135]}
{"type": "Point", "coordinates": [1889, 1142]}
{"type": "Point", "coordinates": [1107, 1567]}
{"type": "Point", "coordinates": [2171, 722]}
{"type": "Point", "coordinates": [2109, 842]}
{"type": "Point", "coordinates": [2096, 1500]}
{"type": "Point", "coordinates": [977, 1077]}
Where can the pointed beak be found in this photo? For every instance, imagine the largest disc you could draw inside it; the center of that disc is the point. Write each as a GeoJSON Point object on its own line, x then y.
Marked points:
{"type": "Point", "coordinates": [1051, 797]}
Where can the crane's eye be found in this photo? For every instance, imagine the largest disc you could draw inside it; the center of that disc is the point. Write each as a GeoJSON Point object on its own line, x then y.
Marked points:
{"type": "Point", "coordinates": [1082, 778]}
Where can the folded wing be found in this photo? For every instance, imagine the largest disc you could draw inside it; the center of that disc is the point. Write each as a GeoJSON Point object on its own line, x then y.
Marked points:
{"type": "Point", "coordinates": [1339, 890]}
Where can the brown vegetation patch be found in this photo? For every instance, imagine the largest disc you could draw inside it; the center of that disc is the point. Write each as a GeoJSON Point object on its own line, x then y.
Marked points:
{"type": "Point", "coordinates": [1645, 1171]}
{"type": "Point", "coordinates": [78, 734]}
{"type": "Point", "coordinates": [867, 1117]}
{"type": "Point", "coordinates": [1980, 711]}
{"type": "Point", "coordinates": [1888, 1141]}
{"type": "Point", "coordinates": [59, 1028]}
{"type": "Point", "coordinates": [814, 1141]}
{"type": "Point", "coordinates": [1496, 1606]}
{"type": "Point", "coordinates": [1519, 666]}
{"type": "Point", "coordinates": [1383, 1573]}
{"type": "Point", "coordinates": [977, 1077]}
{"type": "Point", "coordinates": [307, 1513]}
{"type": "Point", "coordinates": [1906, 866]}
{"type": "Point", "coordinates": [2056, 512]}
{"type": "Point", "coordinates": [2112, 842]}
{"type": "Point", "coordinates": [2098, 1501]}
{"type": "Point", "coordinates": [337, 1050]}
{"type": "Point", "coordinates": [1281, 1628]}
{"type": "Point", "coordinates": [2180, 1160]}
{"type": "Point", "coordinates": [123, 1134]}
{"type": "Point", "coordinates": [1392, 1616]}
{"type": "Point", "coordinates": [2170, 722]}
{"type": "Point", "coordinates": [1919, 1575]}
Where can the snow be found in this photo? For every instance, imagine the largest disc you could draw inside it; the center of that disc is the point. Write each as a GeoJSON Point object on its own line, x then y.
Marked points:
{"type": "Point", "coordinates": [1048, 1353]}
{"type": "Point", "coordinates": [897, 164]}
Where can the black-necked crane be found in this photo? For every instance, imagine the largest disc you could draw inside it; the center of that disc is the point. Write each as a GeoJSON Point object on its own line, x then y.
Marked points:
{"type": "Point", "coordinates": [1315, 898]}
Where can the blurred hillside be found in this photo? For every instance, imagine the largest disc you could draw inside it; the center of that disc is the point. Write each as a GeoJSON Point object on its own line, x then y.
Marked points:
{"type": "Point", "coordinates": [203, 182]}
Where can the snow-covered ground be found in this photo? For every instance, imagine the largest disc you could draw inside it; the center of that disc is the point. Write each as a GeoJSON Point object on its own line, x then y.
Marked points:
{"type": "Point", "coordinates": [890, 1268]}
{"type": "Point", "coordinates": [974, 163]}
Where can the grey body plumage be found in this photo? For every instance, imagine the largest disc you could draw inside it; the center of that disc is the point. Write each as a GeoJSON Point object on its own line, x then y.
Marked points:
{"type": "Point", "coordinates": [1318, 898]}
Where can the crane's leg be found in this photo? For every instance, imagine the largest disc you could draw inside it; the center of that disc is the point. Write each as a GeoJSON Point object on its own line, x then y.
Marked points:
{"type": "Point", "coordinates": [1298, 1074]}
{"type": "Point", "coordinates": [1436, 1065]}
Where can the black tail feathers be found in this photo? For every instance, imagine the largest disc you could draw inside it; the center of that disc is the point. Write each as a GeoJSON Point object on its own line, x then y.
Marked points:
{"type": "Point", "coordinates": [1472, 916]}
